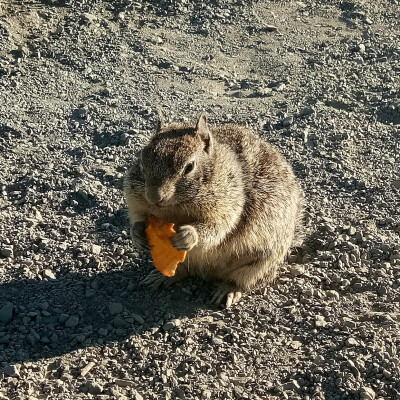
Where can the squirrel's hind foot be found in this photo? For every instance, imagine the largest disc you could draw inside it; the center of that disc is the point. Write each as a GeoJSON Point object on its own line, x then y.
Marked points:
{"type": "Point", "coordinates": [155, 279]}
{"type": "Point", "coordinates": [228, 293]}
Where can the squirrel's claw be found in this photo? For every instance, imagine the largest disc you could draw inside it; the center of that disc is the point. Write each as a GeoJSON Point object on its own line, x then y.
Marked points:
{"type": "Point", "coordinates": [138, 235]}
{"type": "Point", "coordinates": [232, 296]}
{"type": "Point", "coordinates": [155, 279]}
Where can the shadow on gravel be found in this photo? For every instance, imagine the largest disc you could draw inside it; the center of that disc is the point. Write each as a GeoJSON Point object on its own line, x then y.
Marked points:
{"type": "Point", "coordinates": [110, 226]}
{"type": "Point", "coordinates": [329, 387]}
{"type": "Point", "coordinates": [8, 136]}
{"type": "Point", "coordinates": [109, 139]}
{"type": "Point", "coordinates": [53, 317]}
{"type": "Point", "coordinates": [389, 114]}
{"type": "Point", "coordinates": [80, 201]}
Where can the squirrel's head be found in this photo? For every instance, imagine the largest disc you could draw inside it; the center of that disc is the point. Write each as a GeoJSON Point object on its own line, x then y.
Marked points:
{"type": "Point", "coordinates": [176, 162]}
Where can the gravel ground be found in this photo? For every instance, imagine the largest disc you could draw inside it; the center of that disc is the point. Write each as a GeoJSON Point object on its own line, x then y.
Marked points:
{"type": "Point", "coordinates": [79, 83]}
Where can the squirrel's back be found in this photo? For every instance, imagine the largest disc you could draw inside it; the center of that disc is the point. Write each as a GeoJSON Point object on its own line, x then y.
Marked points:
{"type": "Point", "coordinates": [268, 176]}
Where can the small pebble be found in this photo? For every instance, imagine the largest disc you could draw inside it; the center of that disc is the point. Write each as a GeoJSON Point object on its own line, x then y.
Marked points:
{"type": "Point", "coordinates": [6, 313]}
{"type": "Point", "coordinates": [49, 274]}
{"type": "Point", "coordinates": [86, 369]}
{"type": "Point", "coordinates": [138, 318]}
{"type": "Point", "coordinates": [7, 252]}
{"type": "Point", "coordinates": [306, 111]}
{"type": "Point", "coordinates": [351, 342]}
{"type": "Point", "coordinates": [96, 249]}
{"type": "Point", "coordinates": [72, 321]}
{"type": "Point", "coordinates": [366, 393]}
{"type": "Point", "coordinates": [124, 383]}
{"type": "Point", "coordinates": [171, 324]}
{"type": "Point", "coordinates": [115, 308]}
{"type": "Point", "coordinates": [296, 270]}
{"type": "Point", "coordinates": [11, 370]}
{"type": "Point", "coordinates": [102, 331]}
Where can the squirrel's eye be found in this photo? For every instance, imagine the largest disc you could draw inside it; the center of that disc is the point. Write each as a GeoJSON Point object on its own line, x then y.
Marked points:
{"type": "Point", "coordinates": [189, 168]}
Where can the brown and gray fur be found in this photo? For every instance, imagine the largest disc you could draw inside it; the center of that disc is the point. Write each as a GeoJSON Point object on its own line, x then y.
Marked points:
{"type": "Point", "coordinates": [242, 199]}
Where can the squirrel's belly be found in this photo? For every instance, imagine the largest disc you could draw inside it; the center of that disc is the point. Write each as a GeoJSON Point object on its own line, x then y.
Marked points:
{"type": "Point", "coordinates": [200, 262]}
{"type": "Point", "coordinates": [210, 263]}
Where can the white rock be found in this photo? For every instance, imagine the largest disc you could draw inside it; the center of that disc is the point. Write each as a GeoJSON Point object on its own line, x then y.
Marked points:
{"type": "Point", "coordinates": [96, 249]}
{"type": "Point", "coordinates": [49, 274]}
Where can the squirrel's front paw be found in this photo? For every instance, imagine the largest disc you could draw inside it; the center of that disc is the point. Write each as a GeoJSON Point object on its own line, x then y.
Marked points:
{"type": "Point", "coordinates": [138, 235]}
{"type": "Point", "coordinates": [186, 238]}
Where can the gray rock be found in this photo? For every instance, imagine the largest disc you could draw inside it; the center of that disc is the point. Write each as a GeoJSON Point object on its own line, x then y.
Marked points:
{"type": "Point", "coordinates": [280, 87]}
{"type": "Point", "coordinates": [94, 388]}
{"type": "Point", "coordinates": [30, 339]}
{"type": "Point", "coordinates": [306, 111]}
{"type": "Point", "coordinates": [115, 308]}
{"type": "Point", "coordinates": [86, 369]}
{"type": "Point", "coordinates": [366, 393]}
{"type": "Point", "coordinates": [351, 342]}
{"type": "Point", "coordinates": [62, 318]}
{"type": "Point", "coordinates": [138, 318]}
{"type": "Point", "coordinates": [137, 396]}
{"type": "Point", "coordinates": [180, 393]}
{"type": "Point", "coordinates": [171, 324]}
{"type": "Point", "coordinates": [264, 91]}
{"type": "Point", "coordinates": [102, 331]}
{"type": "Point", "coordinates": [332, 294]}
{"type": "Point", "coordinates": [90, 293]}
{"type": "Point", "coordinates": [119, 322]}
{"type": "Point", "coordinates": [124, 383]}
{"type": "Point", "coordinates": [54, 338]}
{"type": "Point", "coordinates": [319, 359]}
{"type": "Point", "coordinates": [7, 252]}
{"type": "Point", "coordinates": [296, 270]}
{"type": "Point", "coordinates": [288, 121]}
{"type": "Point", "coordinates": [348, 323]}
{"type": "Point", "coordinates": [49, 274]}
{"type": "Point", "coordinates": [4, 338]}
{"type": "Point", "coordinates": [352, 230]}
{"type": "Point", "coordinates": [72, 321]}
{"type": "Point", "coordinates": [96, 249]}
{"type": "Point", "coordinates": [360, 48]}
{"type": "Point", "coordinates": [217, 340]}
{"type": "Point", "coordinates": [11, 370]}
{"type": "Point", "coordinates": [382, 291]}
{"type": "Point", "coordinates": [320, 321]}
{"type": "Point", "coordinates": [269, 28]}
{"type": "Point", "coordinates": [6, 313]}
{"type": "Point", "coordinates": [292, 385]}
{"type": "Point", "coordinates": [88, 18]}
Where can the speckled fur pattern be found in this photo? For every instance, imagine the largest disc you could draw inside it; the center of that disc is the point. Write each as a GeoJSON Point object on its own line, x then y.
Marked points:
{"type": "Point", "coordinates": [243, 199]}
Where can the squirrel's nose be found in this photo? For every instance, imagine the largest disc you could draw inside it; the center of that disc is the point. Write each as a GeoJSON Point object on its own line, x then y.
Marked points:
{"type": "Point", "coordinates": [153, 195]}
{"type": "Point", "coordinates": [158, 195]}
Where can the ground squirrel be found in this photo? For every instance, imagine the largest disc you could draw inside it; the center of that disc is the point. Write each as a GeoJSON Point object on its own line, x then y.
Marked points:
{"type": "Point", "coordinates": [234, 199]}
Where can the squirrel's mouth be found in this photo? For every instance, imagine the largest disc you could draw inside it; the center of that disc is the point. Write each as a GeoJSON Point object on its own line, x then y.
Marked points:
{"type": "Point", "coordinates": [163, 203]}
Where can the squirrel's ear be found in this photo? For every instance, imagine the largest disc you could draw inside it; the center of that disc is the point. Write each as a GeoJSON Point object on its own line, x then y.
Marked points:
{"type": "Point", "coordinates": [160, 120]}
{"type": "Point", "coordinates": [204, 133]}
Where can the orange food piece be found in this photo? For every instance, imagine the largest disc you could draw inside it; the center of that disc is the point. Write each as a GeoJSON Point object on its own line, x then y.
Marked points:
{"type": "Point", "coordinates": [165, 257]}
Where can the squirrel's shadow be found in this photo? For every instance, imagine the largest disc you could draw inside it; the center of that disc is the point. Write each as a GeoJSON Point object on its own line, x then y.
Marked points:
{"type": "Point", "coordinates": [57, 316]}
